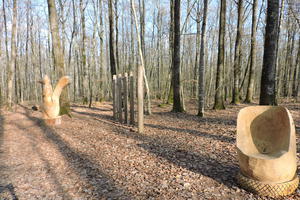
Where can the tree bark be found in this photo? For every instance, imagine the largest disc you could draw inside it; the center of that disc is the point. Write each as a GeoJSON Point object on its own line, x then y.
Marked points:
{"type": "Point", "coordinates": [267, 91]}
{"type": "Point", "coordinates": [177, 101]}
{"type": "Point", "coordinates": [140, 77]}
{"type": "Point", "coordinates": [84, 64]}
{"type": "Point", "coordinates": [219, 98]}
{"type": "Point", "coordinates": [201, 100]}
{"type": "Point", "coordinates": [117, 35]}
{"type": "Point", "coordinates": [10, 72]}
{"type": "Point", "coordinates": [278, 70]}
{"type": "Point", "coordinates": [237, 54]}
{"type": "Point", "coordinates": [250, 88]}
{"type": "Point", "coordinates": [296, 92]}
{"type": "Point", "coordinates": [59, 62]}
{"type": "Point", "coordinates": [111, 39]}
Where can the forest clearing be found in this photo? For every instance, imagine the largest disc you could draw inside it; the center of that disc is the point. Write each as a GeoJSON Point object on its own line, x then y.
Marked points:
{"type": "Point", "coordinates": [160, 99]}
{"type": "Point", "coordinates": [89, 156]}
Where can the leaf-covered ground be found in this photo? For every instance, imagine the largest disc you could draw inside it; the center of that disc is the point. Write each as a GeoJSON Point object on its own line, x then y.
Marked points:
{"type": "Point", "coordinates": [90, 156]}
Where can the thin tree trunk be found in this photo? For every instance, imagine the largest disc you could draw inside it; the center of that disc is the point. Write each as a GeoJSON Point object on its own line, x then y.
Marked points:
{"type": "Point", "coordinates": [6, 36]}
{"type": "Point", "coordinates": [12, 62]}
{"type": "Point", "coordinates": [84, 64]}
{"type": "Point", "coordinates": [117, 35]}
{"type": "Point", "coordinates": [198, 44]}
{"type": "Point", "coordinates": [237, 54]}
{"type": "Point", "coordinates": [111, 39]}
{"type": "Point", "coordinates": [202, 64]}
{"type": "Point", "coordinates": [132, 54]}
{"type": "Point", "coordinates": [250, 88]}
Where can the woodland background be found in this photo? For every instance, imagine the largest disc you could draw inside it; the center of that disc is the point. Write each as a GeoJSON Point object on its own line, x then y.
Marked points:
{"type": "Point", "coordinates": [92, 31]}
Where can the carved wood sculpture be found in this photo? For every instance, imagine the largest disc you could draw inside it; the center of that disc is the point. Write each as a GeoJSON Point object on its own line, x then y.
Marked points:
{"type": "Point", "coordinates": [50, 106]}
{"type": "Point", "coordinates": [266, 147]}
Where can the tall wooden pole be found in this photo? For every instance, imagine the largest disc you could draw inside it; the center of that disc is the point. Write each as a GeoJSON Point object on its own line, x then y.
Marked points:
{"type": "Point", "coordinates": [120, 94]}
{"type": "Point", "coordinates": [131, 98]}
{"type": "Point", "coordinates": [114, 88]}
{"type": "Point", "coordinates": [125, 89]}
{"type": "Point", "coordinates": [140, 91]}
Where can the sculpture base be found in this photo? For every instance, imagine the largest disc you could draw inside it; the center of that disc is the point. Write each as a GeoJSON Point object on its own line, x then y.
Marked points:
{"type": "Point", "coordinates": [53, 121]}
{"type": "Point", "coordinates": [268, 189]}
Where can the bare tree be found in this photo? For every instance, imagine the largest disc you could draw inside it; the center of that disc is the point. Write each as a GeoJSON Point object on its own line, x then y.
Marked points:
{"type": "Point", "coordinates": [201, 100]}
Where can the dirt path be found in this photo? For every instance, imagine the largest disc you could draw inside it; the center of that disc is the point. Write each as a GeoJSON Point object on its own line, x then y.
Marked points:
{"type": "Point", "coordinates": [91, 157]}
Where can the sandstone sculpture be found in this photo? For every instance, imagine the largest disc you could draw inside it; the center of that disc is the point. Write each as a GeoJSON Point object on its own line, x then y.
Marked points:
{"type": "Point", "coordinates": [266, 147]}
{"type": "Point", "coordinates": [50, 106]}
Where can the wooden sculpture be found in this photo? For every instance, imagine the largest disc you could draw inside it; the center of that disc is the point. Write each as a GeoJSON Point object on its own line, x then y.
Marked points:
{"type": "Point", "coordinates": [266, 147]}
{"type": "Point", "coordinates": [50, 107]}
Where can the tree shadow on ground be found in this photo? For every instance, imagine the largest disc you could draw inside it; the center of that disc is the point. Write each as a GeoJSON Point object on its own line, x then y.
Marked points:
{"type": "Point", "coordinates": [92, 108]}
{"type": "Point", "coordinates": [222, 171]}
{"type": "Point", "coordinates": [189, 117]}
{"type": "Point", "coordinates": [9, 187]}
{"type": "Point", "coordinates": [94, 115]}
{"type": "Point", "coordinates": [103, 185]}
{"type": "Point", "coordinates": [58, 186]}
{"type": "Point", "coordinates": [221, 138]}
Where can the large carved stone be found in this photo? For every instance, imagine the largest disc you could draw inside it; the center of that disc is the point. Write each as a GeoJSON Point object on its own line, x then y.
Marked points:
{"type": "Point", "coordinates": [266, 147]}
{"type": "Point", "coordinates": [50, 105]}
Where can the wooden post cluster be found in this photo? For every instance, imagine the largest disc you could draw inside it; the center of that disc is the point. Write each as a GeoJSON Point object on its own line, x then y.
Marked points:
{"type": "Point", "coordinates": [123, 98]}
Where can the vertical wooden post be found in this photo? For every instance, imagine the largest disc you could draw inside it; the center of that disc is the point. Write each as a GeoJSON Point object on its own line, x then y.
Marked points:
{"type": "Point", "coordinates": [114, 88]}
{"type": "Point", "coordinates": [131, 95]}
{"type": "Point", "coordinates": [125, 86]}
{"type": "Point", "coordinates": [117, 97]}
{"type": "Point", "coordinates": [120, 88]}
{"type": "Point", "coordinates": [140, 100]}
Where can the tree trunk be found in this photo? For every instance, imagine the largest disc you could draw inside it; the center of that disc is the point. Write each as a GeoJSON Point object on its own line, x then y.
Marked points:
{"type": "Point", "coordinates": [237, 54]}
{"type": "Point", "coordinates": [140, 76]}
{"type": "Point", "coordinates": [84, 64]}
{"type": "Point", "coordinates": [142, 62]}
{"type": "Point", "coordinates": [219, 98]}
{"type": "Point", "coordinates": [177, 100]}
{"type": "Point", "coordinates": [10, 72]}
{"type": "Point", "coordinates": [202, 64]}
{"type": "Point", "coordinates": [278, 70]}
{"type": "Point", "coordinates": [111, 39]}
{"type": "Point", "coordinates": [59, 62]}
{"type": "Point", "coordinates": [171, 47]}
{"type": "Point", "coordinates": [296, 90]}
{"type": "Point", "coordinates": [250, 88]}
{"type": "Point", "coordinates": [198, 44]}
{"type": "Point", "coordinates": [267, 91]}
{"type": "Point", "coordinates": [117, 35]}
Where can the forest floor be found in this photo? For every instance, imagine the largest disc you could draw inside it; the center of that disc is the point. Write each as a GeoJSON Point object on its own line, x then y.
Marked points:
{"type": "Point", "coordinates": [90, 156]}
